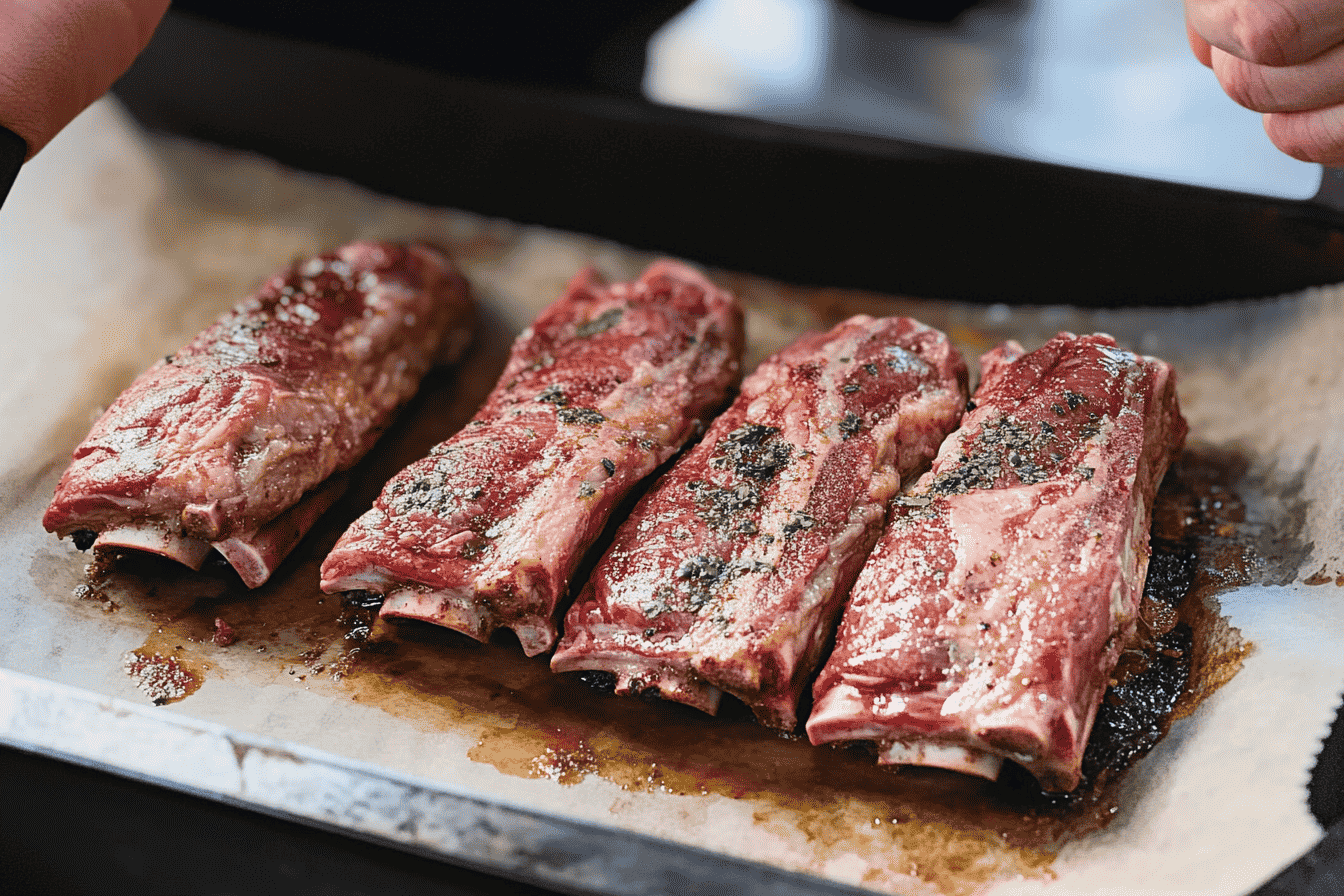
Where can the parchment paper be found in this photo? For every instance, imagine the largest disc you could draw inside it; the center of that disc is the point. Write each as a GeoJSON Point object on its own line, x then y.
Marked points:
{"type": "Point", "coordinates": [115, 248]}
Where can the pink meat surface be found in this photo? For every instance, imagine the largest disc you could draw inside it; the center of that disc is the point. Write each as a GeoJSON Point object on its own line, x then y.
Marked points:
{"type": "Point", "coordinates": [606, 385]}
{"type": "Point", "coordinates": [730, 573]}
{"type": "Point", "coordinates": [991, 614]}
{"type": "Point", "coordinates": [226, 443]}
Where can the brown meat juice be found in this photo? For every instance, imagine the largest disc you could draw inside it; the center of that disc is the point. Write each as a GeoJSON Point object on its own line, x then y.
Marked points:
{"type": "Point", "coordinates": [953, 831]}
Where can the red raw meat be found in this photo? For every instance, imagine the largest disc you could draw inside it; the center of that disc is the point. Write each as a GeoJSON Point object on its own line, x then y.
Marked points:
{"type": "Point", "coordinates": [607, 383]}
{"type": "Point", "coordinates": [231, 443]}
{"type": "Point", "coordinates": [730, 573]}
{"type": "Point", "coordinates": [989, 618]}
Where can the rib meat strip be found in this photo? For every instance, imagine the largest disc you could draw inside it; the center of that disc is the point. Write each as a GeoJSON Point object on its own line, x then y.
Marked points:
{"type": "Point", "coordinates": [232, 442]}
{"type": "Point", "coordinates": [991, 614]}
{"type": "Point", "coordinates": [730, 572]}
{"type": "Point", "coordinates": [606, 385]}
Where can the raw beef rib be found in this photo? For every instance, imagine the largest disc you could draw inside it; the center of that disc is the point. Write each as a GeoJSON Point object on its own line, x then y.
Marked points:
{"type": "Point", "coordinates": [730, 573]}
{"type": "Point", "coordinates": [607, 383]}
{"type": "Point", "coordinates": [231, 442]}
{"type": "Point", "coordinates": [987, 622]}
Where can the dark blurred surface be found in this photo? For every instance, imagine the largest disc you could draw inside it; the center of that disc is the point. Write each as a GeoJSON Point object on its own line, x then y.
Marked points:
{"type": "Point", "coordinates": [66, 830]}
{"type": "Point", "coordinates": [596, 45]}
{"type": "Point", "coordinates": [1319, 873]}
{"type": "Point", "coordinates": [916, 10]}
{"type": "Point", "coordinates": [1325, 790]}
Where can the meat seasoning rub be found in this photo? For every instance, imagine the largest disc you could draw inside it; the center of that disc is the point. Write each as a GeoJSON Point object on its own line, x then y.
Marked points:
{"type": "Point", "coordinates": [729, 574]}
{"type": "Point", "coordinates": [988, 619]}
{"type": "Point", "coordinates": [606, 384]}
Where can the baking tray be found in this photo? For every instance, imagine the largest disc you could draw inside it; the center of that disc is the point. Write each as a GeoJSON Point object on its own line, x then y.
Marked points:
{"type": "Point", "coordinates": [135, 242]}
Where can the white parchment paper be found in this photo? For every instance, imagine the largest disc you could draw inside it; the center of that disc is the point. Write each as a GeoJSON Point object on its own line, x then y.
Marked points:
{"type": "Point", "coordinates": [115, 248]}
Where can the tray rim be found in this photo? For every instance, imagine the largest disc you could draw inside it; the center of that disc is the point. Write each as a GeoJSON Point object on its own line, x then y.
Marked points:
{"type": "Point", "coordinates": [320, 789]}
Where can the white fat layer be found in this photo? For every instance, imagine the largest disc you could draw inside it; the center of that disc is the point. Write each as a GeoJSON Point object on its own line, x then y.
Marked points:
{"type": "Point", "coordinates": [950, 756]}
{"type": "Point", "coordinates": [458, 609]}
{"type": "Point", "coordinates": [637, 673]}
{"type": "Point", "coordinates": [255, 555]}
{"type": "Point", "coordinates": [449, 608]}
{"type": "Point", "coordinates": [253, 565]}
{"type": "Point", "coordinates": [154, 539]}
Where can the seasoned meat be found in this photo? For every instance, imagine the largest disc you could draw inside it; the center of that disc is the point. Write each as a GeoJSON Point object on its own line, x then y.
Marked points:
{"type": "Point", "coordinates": [730, 573]}
{"type": "Point", "coordinates": [989, 618]}
{"type": "Point", "coordinates": [607, 383]}
{"type": "Point", "coordinates": [228, 443]}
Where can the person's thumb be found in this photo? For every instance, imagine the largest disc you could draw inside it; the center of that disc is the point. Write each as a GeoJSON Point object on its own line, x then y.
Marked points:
{"type": "Point", "coordinates": [58, 56]}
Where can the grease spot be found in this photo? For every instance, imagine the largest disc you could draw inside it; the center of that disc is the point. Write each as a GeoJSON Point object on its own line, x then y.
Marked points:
{"type": "Point", "coordinates": [163, 679]}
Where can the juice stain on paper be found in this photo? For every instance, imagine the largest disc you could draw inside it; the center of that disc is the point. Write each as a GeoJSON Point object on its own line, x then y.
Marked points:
{"type": "Point", "coordinates": [952, 832]}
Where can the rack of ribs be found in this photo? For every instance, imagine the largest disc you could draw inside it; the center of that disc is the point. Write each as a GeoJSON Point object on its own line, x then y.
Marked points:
{"type": "Point", "coordinates": [606, 385]}
{"type": "Point", "coordinates": [990, 616]}
{"type": "Point", "coordinates": [232, 443]}
{"type": "Point", "coordinates": [729, 574]}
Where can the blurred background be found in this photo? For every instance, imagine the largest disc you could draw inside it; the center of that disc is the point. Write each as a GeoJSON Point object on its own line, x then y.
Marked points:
{"type": "Point", "coordinates": [1108, 85]}
{"type": "Point", "coordinates": [1102, 84]}
{"type": "Point", "coordinates": [1060, 142]}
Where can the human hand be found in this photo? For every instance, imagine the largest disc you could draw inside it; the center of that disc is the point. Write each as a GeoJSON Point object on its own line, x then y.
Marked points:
{"type": "Point", "coordinates": [1284, 58]}
{"type": "Point", "coordinates": [58, 56]}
